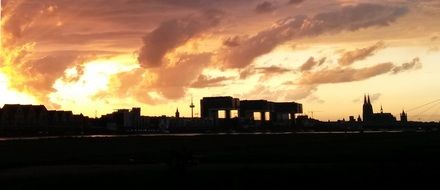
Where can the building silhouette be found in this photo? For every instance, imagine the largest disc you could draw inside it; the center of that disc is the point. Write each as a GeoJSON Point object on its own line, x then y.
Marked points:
{"type": "Point", "coordinates": [177, 114]}
{"type": "Point", "coordinates": [367, 110]}
{"type": "Point", "coordinates": [123, 119]}
{"type": "Point", "coordinates": [403, 117]}
{"type": "Point", "coordinates": [33, 118]}
{"type": "Point", "coordinates": [192, 106]}
{"type": "Point", "coordinates": [249, 112]}
{"type": "Point", "coordinates": [370, 117]}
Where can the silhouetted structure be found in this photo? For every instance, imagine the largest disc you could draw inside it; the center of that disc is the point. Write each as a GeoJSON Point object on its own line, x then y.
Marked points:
{"type": "Point", "coordinates": [370, 117]}
{"type": "Point", "coordinates": [177, 115]}
{"type": "Point", "coordinates": [210, 106]}
{"type": "Point", "coordinates": [403, 117]}
{"type": "Point", "coordinates": [367, 110]}
{"type": "Point", "coordinates": [34, 118]}
{"type": "Point", "coordinates": [19, 116]}
{"type": "Point", "coordinates": [250, 112]}
{"type": "Point", "coordinates": [192, 106]}
{"type": "Point", "coordinates": [218, 114]}
{"type": "Point", "coordinates": [123, 119]}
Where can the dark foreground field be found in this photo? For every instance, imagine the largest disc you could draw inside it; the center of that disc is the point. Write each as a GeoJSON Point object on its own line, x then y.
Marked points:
{"type": "Point", "coordinates": [355, 161]}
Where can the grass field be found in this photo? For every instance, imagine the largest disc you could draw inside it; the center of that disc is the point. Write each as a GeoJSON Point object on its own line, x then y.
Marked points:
{"type": "Point", "coordinates": [359, 161]}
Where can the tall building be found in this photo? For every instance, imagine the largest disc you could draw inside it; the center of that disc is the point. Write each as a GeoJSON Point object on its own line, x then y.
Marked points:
{"type": "Point", "coordinates": [177, 113]}
{"type": "Point", "coordinates": [367, 111]}
{"type": "Point", "coordinates": [403, 117]}
{"type": "Point", "coordinates": [192, 107]}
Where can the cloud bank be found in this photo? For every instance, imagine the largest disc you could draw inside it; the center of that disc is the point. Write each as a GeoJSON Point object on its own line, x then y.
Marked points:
{"type": "Point", "coordinates": [349, 18]}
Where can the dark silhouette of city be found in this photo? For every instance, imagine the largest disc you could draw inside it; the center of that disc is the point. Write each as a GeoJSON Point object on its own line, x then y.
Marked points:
{"type": "Point", "coordinates": [240, 81]}
{"type": "Point", "coordinates": [235, 140]}
{"type": "Point", "coordinates": [218, 114]}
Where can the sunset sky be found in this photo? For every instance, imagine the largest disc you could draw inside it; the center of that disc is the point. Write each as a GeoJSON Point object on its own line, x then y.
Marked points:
{"type": "Point", "coordinates": [88, 55]}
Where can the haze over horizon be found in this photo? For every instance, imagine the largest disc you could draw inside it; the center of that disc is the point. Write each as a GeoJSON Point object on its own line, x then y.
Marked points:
{"type": "Point", "coordinates": [88, 55]}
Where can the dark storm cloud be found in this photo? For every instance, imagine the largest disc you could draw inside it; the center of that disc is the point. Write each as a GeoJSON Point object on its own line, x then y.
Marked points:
{"type": "Point", "coordinates": [350, 57]}
{"type": "Point", "coordinates": [265, 7]}
{"type": "Point", "coordinates": [347, 18]}
{"type": "Point", "coordinates": [172, 34]}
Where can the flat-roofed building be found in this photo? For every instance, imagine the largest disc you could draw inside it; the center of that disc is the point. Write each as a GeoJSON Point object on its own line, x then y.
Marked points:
{"type": "Point", "coordinates": [219, 107]}
{"type": "Point", "coordinates": [227, 107]}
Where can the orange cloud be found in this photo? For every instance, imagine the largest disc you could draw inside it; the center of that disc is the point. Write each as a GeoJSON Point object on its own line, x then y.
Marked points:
{"type": "Point", "coordinates": [350, 57]}
{"type": "Point", "coordinates": [339, 75]}
{"type": "Point", "coordinates": [173, 33]}
{"type": "Point", "coordinates": [348, 18]}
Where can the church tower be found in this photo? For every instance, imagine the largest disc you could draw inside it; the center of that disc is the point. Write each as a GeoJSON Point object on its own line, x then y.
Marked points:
{"type": "Point", "coordinates": [367, 110]}
{"type": "Point", "coordinates": [177, 113]}
{"type": "Point", "coordinates": [403, 117]}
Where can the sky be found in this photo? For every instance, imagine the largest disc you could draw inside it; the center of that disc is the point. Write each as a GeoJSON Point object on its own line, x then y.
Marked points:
{"type": "Point", "coordinates": [94, 56]}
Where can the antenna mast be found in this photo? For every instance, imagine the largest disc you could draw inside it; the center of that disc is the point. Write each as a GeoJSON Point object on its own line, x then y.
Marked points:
{"type": "Point", "coordinates": [192, 107]}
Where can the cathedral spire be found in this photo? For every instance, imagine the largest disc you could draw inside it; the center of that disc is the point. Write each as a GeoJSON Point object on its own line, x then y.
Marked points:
{"type": "Point", "coordinates": [369, 102]}
{"type": "Point", "coordinates": [367, 111]}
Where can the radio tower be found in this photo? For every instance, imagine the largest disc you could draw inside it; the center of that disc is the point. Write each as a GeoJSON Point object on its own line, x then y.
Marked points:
{"type": "Point", "coordinates": [192, 107]}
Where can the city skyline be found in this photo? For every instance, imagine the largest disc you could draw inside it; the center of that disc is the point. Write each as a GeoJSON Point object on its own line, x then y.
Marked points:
{"type": "Point", "coordinates": [227, 107]}
{"type": "Point", "coordinates": [158, 55]}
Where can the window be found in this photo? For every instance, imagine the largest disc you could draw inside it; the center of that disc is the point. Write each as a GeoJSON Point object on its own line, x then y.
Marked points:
{"type": "Point", "coordinates": [221, 114]}
{"type": "Point", "coordinates": [234, 113]}
{"type": "Point", "coordinates": [267, 116]}
{"type": "Point", "coordinates": [257, 116]}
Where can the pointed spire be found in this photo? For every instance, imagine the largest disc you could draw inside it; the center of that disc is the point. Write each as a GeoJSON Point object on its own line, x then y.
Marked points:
{"type": "Point", "coordinates": [369, 102]}
{"type": "Point", "coordinates": [177, 115]}
{"type": "Point", "coordinates": [365, 99]}
{"type": "Point", "coordinates": [381, 109]}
